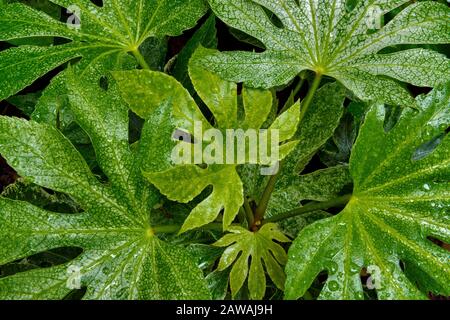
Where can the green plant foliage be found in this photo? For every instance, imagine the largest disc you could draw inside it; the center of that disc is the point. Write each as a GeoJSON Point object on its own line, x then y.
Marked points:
{"type": "Point", "coordinates": [398, 202]}
{"type": "Point", "coordinates": [168, 106]}
{"type": "Point", "coordinates": [260, 248]}
{"type": "Point", "coordinates": [224, 149]}
{"type": "Point", "coordinates": [122, 258]}
{"type": "Point", "coordinates": [104, 37]}
{"type": "Point", "coordinates": [329, 38]}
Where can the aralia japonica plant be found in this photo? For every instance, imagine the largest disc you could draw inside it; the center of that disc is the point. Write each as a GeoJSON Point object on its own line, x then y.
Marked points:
{"type": "Point", "coordinates": [224, 149]}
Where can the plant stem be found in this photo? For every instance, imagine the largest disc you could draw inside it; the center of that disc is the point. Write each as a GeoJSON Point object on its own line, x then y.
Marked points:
{"type": "Point", "coordinates": [248, 212]}
{"type": "Point", "coordinates": [310, 207]}
{"type": "Point", "coordinates": [140, 58]}
{"type": "Point", "coordinates": [312, 91]}
{"type": "Point", "coordinates": [298, 87]}
{"type": "Point", "coordinates": [262, 206]}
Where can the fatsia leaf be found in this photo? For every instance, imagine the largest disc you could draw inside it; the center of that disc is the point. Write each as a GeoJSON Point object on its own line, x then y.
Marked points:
{"type": "Point", "coordinates": [331, 39]}
{"type": "Point", "coordinates": [321, 185]}
{"type": "Point", "coordinates": [168, 109]}
{"type": "Point", "coordinates": [122, 258]}
{"type": "Point", "coordinates": [101, 36]}
{"type": "Point", "coordinates": [259, 247]}
{"type": "Point", "coordinates": [399, 203]}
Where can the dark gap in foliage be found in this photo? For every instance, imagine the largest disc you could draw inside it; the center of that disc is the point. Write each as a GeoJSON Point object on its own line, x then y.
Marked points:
{"type": "Point", "coordinates": [45, 6]}
{"type": "Point", "coordinates": [76, 294]}
{"type": "Point", "coordinates": [46, 259]}
{"type": "Point", "coordinates": [284, 94]}
{"type": "Point", "coordinates": [416, 91]}
{"type": "Point", "coordinates": [7, 174]}
{"type": "Point", "coordinates": [103, 82]}
{"type": "Point", "coordinates": [441, 48]}
{"type": "Point", "coordinates": [228, 41]}
{"type": "Point", "coordinates": [5, 45]}
{"type": "Point", "coordinates": [239, 88]}
{"type": "Point", "coordinates": [176, 44]}
{"type": "Point", "coordinates": [428, 147]}
{"type": "Point", "coordinates": [273, 18]}
{"type": "Point", "coordinates": [135, 127]}
{"type": "Point", "coordinates": [98, 3]}
{"type": "Point", "coordinates": [316, 287]}
{"type": "Point", "coordinates": [60, 41]}
{"type": "Point", "coordinates": [314, 165]}
{"type": "Point", "coordinates": [44, 81]}
{"type": "Point", "coordinates": [369, 292]}
{"type": "Point", "coordinates": [440, 243]}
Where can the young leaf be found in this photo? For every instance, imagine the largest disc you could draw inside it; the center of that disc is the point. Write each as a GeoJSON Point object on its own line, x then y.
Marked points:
{"type": "Point", "coordinates": [168, 108]}
{"type": "Point", "coordinates": [259, 247]}
{"type": "Point", "coordinates": [122, 258]}
{"type": "Point", "coordinates": [399, 202]}
{"type": "Point", "coordinates": [100, 36]}
{"type": "Point", "coordinates": [326, 37]}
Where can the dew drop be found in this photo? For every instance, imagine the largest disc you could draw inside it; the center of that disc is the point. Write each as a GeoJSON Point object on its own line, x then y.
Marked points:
{"type": "Point", "coordinates": [427, 187]}
{"type": "Point", "coordinates": [333, 267]}
{"type": "Point", "coordinates": [333, 285]}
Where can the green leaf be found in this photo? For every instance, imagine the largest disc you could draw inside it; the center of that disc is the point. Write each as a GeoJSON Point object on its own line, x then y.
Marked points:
{"type": "Point", "coordinates": [399, 201]}
{"type": "Point", "coordinates": [317, 126]}
{"type": "Point", "coordinates": [206, 36]}
{"type": "Point", "coordinates": [243, 245]}
{"type": "Point", "coordinates": [25, 103]}
{"type": "Point", "coordinates": [168, 108]}
{"type": "Point", "coordinates": [100, 36]}
{"type": "Point", "coordinates": [328, 38]}
{"type": "Point", "coordinates": [122, 258]}
{"type": "Point", "coordinates": [321, 185]}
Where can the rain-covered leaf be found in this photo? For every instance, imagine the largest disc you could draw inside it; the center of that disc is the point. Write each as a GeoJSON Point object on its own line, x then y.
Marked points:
{"type": "Point", "coordinates": [101, 36]}
{"type": "Point", "coordinates": [121, 257]}
{"type": "Point", "coordinates": [170, 111]}
{"type": "Point", "coordinates": [399, 204]}
{"type": "Point", "coordinates": [321, 185]}
{"type": "Point", "coordinates": [334, 40]}
{"type": "Point", "coordinates": [259, 249]}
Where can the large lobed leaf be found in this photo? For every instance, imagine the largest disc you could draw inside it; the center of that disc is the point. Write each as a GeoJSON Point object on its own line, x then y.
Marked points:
{"type": "Point", "coordinates": [168, 108]}
{"type": "Point", "coordinates": [102, 38]}
{"type": "Point", "coordinates": [332, 39]}
{"type": "Point", "coordinates": [400, 202]}
{"type": "Point", "coordinates": [121, 258]}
